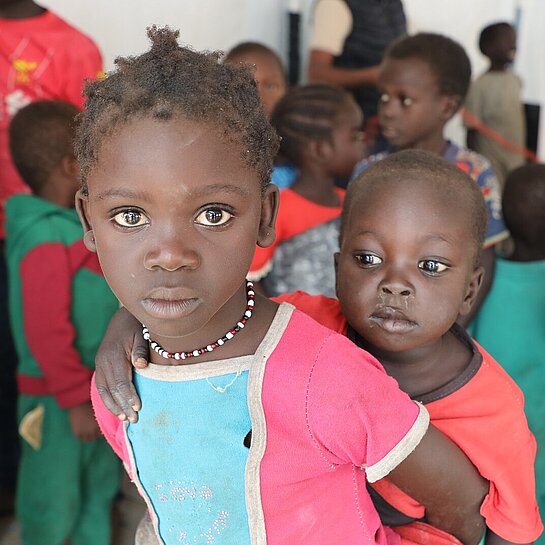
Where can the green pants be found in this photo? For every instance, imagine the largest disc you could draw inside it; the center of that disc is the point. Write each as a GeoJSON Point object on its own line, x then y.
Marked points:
{"type": "Point", "coordinates": [65, 489]}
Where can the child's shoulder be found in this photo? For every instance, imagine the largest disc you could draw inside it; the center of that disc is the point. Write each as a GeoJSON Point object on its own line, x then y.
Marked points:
{"type": "Point", "coordinates": [325, 310]}
{"type": "Point", "coordinates": [364, 164]}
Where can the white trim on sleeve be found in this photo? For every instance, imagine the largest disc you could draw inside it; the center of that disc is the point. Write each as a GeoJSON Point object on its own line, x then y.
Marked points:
{"type": "Point", "coordinates": [402, 449]}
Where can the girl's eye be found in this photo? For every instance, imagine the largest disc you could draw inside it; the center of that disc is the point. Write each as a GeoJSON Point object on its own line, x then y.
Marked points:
{"type": "Point", "coordinates": [406, 101]}
{"type": "Point", "coordinates": [131, 218]}
{"type": "Point", "coordinates": [213, 217]}
{"type": "Point", "coordinates": [432, 267]}
{"type": "Point", "coordinates": [368, 260]}
{"type": "Point", "coordinates": [384, 98]}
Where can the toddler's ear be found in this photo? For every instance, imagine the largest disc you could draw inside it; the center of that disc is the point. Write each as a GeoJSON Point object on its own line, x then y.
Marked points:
{"type": "Point", "coordinates": [269, 210]}
{"type": "Point", "coordinates": [472, 290]}
{"type": "Point", "coordinates": [451, 105]}
{"type": "Point", "coordinates": [82, 202]}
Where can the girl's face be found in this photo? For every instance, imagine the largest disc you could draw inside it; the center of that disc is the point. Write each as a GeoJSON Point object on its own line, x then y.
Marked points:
{"type": "Point", "coordinates": [175, 214]}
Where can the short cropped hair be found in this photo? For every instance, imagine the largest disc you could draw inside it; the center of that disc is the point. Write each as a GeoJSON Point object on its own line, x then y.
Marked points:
{"type": "Point", "coordinates": [524, 204]}
{"type": "Point", "coordinates": [41, 135]}
{"type": "Point", "coordinates": [490, 33]}
{"type": "Point", "coordinates": [446, 58]}
{"type": "Point", "coordinates": [171, 81]}
{"type": "Point", "coordinates": [248, 48]}
{"type": "Point", "coordinates": [421, 165]}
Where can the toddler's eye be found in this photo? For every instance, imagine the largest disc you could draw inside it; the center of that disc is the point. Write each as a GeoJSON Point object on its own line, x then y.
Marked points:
{"type": "Point", "coordinates": [406, 101]}
{"type": "Point", "coordinates": [213, 217]}
{"type": "Point", "coordinates": [368, 260]}
{"type": "Point", "coordinates": [431, 266]}
{"type": "Point", "coordinates": [384, 98]}
{"type": "Point", "coordinates": [131, 218]}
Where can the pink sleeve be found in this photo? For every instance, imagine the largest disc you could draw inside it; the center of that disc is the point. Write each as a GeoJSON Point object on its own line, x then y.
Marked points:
{"type": "Point", "coordinates": [358, 414]}
{"type": "Point", "coordinates": [110, 426]}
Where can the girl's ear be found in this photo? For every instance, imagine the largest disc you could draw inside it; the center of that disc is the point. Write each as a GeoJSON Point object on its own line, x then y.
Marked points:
{"type": "Point", "coordinates": [269, 210]}
{"type": "Point", "coordinates": [82, 204]}
{"type": "Point", "coordinates": [472, 290]}
{"type": "Point", "coordinates": [451, 104]}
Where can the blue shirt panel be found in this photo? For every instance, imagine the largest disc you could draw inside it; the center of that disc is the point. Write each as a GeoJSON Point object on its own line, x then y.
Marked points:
{"type": "Point", "coordinates": [190, 456]}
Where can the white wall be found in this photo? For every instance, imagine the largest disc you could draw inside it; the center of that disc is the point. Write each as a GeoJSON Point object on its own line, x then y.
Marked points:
{"type": "Point", "coordinates": [118, 26]}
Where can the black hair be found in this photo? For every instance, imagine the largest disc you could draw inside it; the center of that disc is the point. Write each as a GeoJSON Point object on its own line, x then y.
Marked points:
{"type": "Point", "coordinates": [524, 204]}
{"type": "Point", "coordinates": [421, 165]}
{"type": "Point", "coordinates": [41, 135]}
{"type": "Point", "coordinates": [490, 33]}
{"type": "Point", "coordinates": [170, 81]}
{"type": "Point", "coordinates": [248, 48]}
{"type": "Point", "coordinates": [306, 113]}
{"type": "Point", "coordinates": [446, 58]}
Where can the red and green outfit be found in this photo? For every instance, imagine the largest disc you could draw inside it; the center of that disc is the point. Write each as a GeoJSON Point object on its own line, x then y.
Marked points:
{"type": "Point", "coordinates": [60, 306]}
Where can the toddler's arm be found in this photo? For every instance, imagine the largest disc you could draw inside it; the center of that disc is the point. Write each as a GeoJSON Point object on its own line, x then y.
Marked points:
{"type": "Point", "coordinates": [439, 475]}
{"type": "Point", "coordinates": [122, 345]}
{"type": "Point", "coordinates": [495, 539]}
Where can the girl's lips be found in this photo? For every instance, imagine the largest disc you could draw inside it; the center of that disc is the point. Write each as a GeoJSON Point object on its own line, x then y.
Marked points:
{"type": "Point", "coordinates": [169, 308]}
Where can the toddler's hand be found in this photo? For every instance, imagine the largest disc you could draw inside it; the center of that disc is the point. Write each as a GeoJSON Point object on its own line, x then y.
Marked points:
{"type": "Point", "coordinates": [122, 345]}
{"type": "Point", "coordinates": [83, 423]}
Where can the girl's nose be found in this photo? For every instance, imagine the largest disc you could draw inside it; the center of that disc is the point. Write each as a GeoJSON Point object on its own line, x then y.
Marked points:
{"type": "Point", "coordinates": [172, 252]}
{"type": "Point", "coordinates": [394, 284]}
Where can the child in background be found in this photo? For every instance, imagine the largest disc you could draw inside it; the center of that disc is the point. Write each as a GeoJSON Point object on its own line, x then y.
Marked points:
{"type": "Point", "coordinates": [320, 131]}
{"type": "Point", "coordinates": [401, 285]}
{"type": "Point", "coordinates": [59, 308]}
{"type": "Point", "coordinates": [510, 324]}
{"type": "Point", "coordinates": [494, 98]}
{"type": "Point", "coordinates": [271, 82]}
{"type": "Point", "coordinates": [154, 199]}
{"type": "Point", "coordinates": [423, 81]}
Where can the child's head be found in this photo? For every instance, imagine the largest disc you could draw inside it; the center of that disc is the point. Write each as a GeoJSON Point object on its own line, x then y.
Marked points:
{"type": "Point", "coordinates": [423, 81]}
{"type": "Point", "coordinates": [269, 71]}
{"type": "Point", "coordinates": [524, 208]}
{"type": "Point", "coordinates": [321, 124]}
{"type": "Point", "coordinates": [41, 139]}
{"type": "Point", "coordinates": [498, 42]}
{"type": "Point", "coordinates": [176, 153]}
{"type": "Point", "coordinates": [411, 233]}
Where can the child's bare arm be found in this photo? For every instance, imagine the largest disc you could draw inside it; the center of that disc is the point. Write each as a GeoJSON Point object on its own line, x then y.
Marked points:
{"type": "Point", "coordinates": [122, 346]}
{"type": "Point", "coordinates": [439, 475]}
{"type": "Point", "coordinates": [495, 539]}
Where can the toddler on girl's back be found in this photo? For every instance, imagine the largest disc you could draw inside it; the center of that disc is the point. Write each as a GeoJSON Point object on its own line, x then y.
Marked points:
{"type": "Point", "coordinates": [222, 359]}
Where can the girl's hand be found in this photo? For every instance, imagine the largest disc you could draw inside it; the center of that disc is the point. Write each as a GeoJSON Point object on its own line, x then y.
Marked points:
{"type": "Point", "coordinates": [122, 346]}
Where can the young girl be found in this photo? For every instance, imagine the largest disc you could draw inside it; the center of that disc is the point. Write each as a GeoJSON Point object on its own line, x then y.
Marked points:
{"type": "Point", "coordinates": [175, 154]}
{"type": "Point", "coordinates": [320, 130]}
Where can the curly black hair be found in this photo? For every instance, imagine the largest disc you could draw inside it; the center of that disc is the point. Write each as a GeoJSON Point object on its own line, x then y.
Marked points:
{"type": "Point", "coordinates": [446, 58]}
{"type": "Point", "coordinates": [41, 135]}
{"type": "Point", "coordinates": [305, 113]}
{"type": "Point", "coordinates": [171, 81]}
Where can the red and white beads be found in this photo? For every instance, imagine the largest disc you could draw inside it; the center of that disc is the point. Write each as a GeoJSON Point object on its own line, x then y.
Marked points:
{"type": "Point", "coordinates": [250, 293]}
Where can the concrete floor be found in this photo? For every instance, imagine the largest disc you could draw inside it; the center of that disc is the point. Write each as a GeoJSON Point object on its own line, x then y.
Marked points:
{"type": "Point", "coordinates": [128, 511]}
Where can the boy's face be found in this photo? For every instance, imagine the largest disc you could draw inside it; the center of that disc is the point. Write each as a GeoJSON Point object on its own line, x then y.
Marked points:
{"type": "Point", "coordinates": [405, 270]}
{"type": "Point", "coordinates": [270, 79]}
{"type": "Point", "coordinates": [175, 214]}
{"type": "Point", "coordinates": [347, 141]}
{"type": "Point", "coordinates": [412, 112]}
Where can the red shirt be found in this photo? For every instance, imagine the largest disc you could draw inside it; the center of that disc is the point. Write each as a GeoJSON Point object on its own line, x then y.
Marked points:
{"type": "Point", "coordinates": [41, 58]}
{"type": "Point", "coordinates": [484, 416]}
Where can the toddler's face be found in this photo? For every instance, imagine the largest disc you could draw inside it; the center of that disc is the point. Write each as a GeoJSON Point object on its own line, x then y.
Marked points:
{"type": "Point", "coordinates": [412, 112]}
{"type": "Point", "coordinates": [504, 48]}
{"type": "Point", "coordinates": [175, 214]}
{"type": "Point", "coordinates": [405, 266]}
